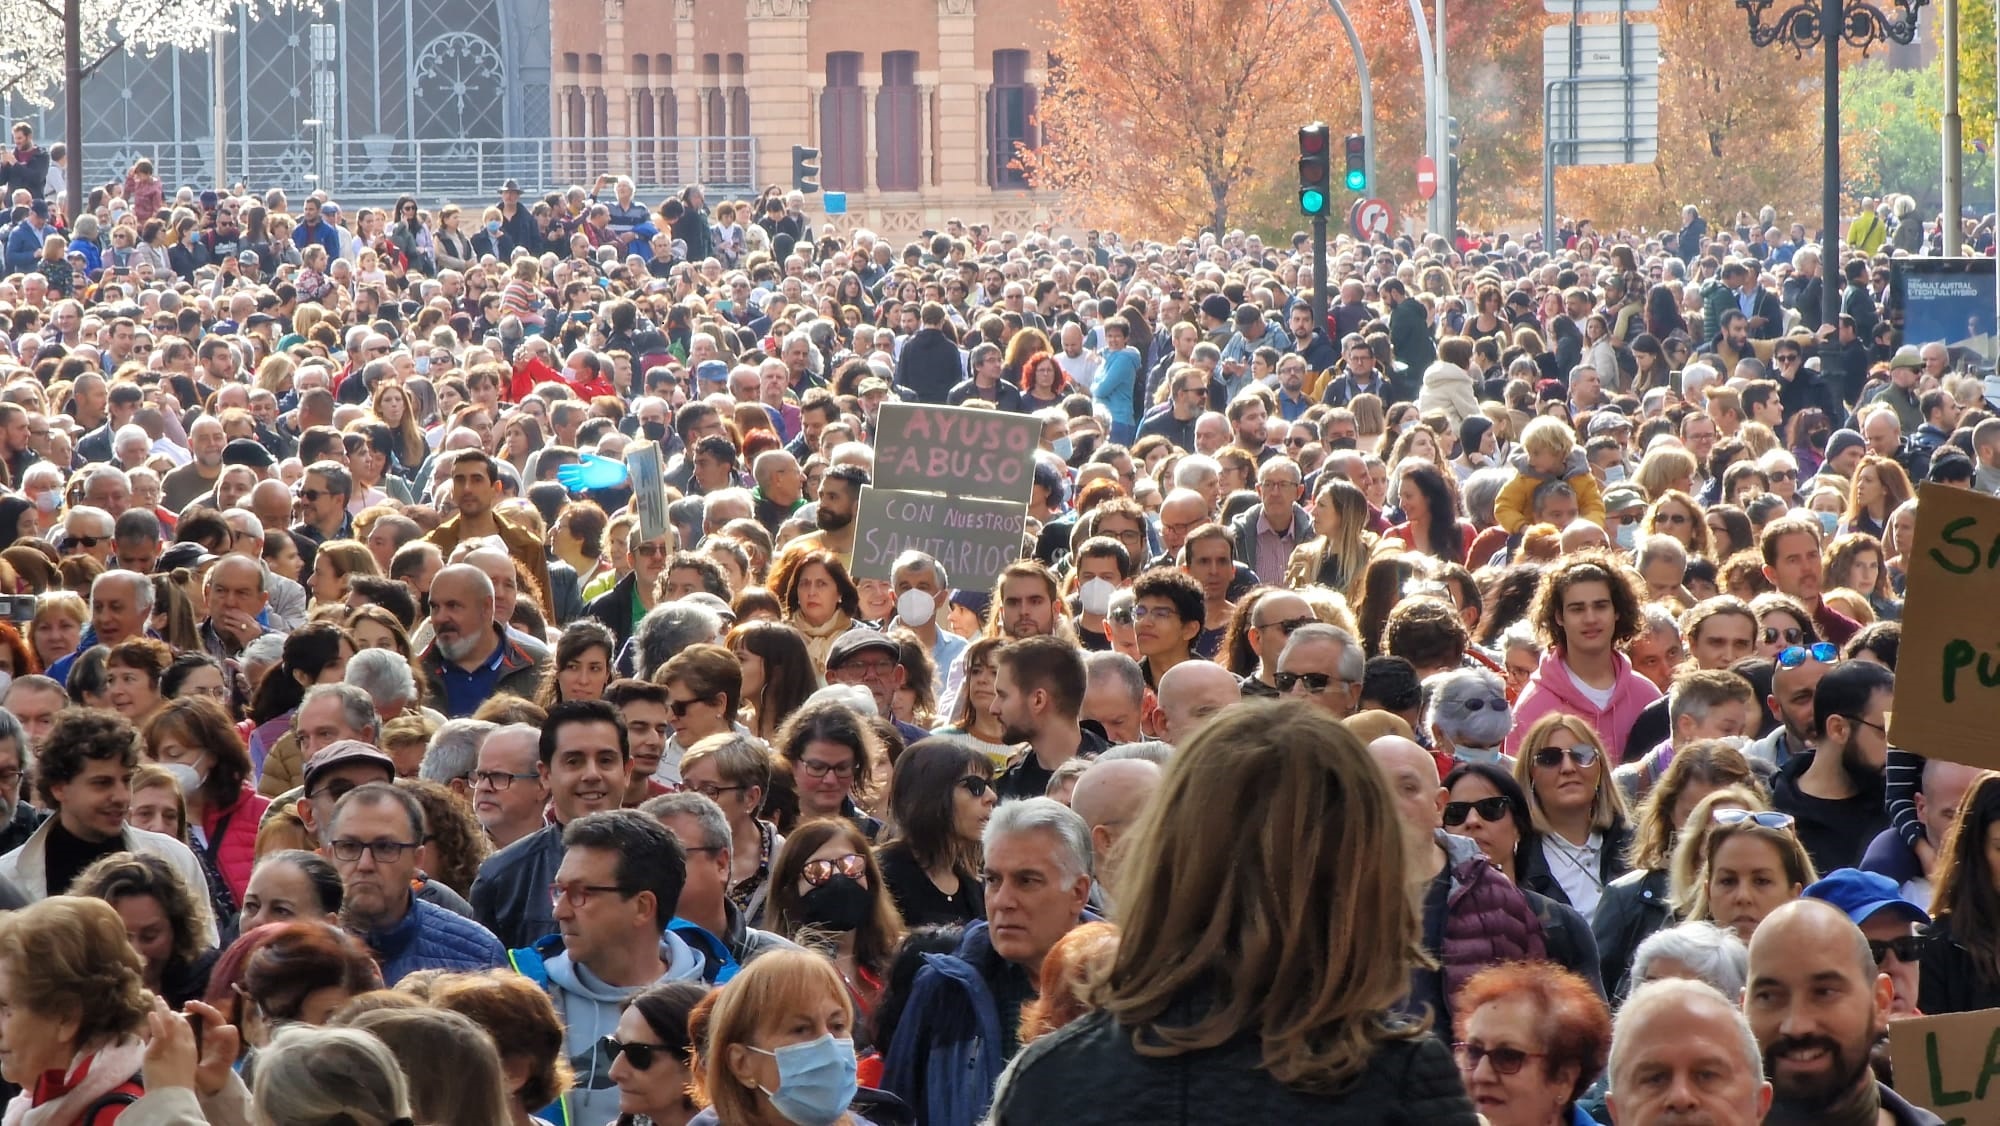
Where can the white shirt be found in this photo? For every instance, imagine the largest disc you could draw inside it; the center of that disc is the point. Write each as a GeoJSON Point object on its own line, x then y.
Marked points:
{"type": "Point", "coordinates": [1576, 869]}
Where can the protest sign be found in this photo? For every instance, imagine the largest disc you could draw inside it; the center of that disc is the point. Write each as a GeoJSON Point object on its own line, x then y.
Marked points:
{"type": "Point", "coordinates": [649, 488]}
{"type": "Point", "coordinates": [973, 538]}
{"type": "Point", "coordinates": [958, 451]}
{"type": "Point", "coordinates": [1948, 671]}
{"type": "Point", "coordinates": [1947, 1065]}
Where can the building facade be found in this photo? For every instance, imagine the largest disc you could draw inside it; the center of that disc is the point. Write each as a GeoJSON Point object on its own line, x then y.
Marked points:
{"type": "Point", "coordinates": [916, 106]}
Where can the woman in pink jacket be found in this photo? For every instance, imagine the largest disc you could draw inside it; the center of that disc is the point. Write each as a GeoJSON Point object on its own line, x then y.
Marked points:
{"type": "Point", "coordinates": [1586, 609]}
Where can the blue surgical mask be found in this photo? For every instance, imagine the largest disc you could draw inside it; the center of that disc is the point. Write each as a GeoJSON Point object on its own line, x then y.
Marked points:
{"type": "Point", "coordinates": [1626, 535]}
{"type": "Point", "coordinates": [1614, 474]}
{"type": "Point", "coordinates": [493, 227]}
{"type": "Point", "coordinates": [1828, 521]}
{"type": "Point", "coordinates": [816, 1080]}
{"type": "Point", "coordinates": [1061, 447]}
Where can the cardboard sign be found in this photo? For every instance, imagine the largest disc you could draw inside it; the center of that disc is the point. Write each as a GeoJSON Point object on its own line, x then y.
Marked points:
{"type": "Point", "coordinates": [958, 451]}
{"type": "Point", "coordinates": [973, 539]}
{"type": "Point", "coordinates": [1948, 671]}
{"type": "Point", "coordinates": [649, 488]}
{"type": "Point", "coordinates": [1948, 1065]}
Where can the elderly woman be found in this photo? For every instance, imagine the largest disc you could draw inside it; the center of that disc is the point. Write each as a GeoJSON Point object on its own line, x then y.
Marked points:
{"type": "Point", "coordinates": [1469, 716]}
{"type": "Point", "coordinates": [73, 1006]}
{"type": "Point", "coordinates": [1531, 1038]}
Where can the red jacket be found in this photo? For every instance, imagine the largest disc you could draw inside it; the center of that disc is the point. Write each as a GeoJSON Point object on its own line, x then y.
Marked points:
{"type": "Point", "coordinates": [235, 851]}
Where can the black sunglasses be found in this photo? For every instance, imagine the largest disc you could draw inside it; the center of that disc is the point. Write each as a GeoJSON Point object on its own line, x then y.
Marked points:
{"type": "Point", "coordinates": [680, 707]}
{"type": "Point", "coordinates": [1907, 948]}
{"type": "Point", "coordinates": [643, 1056]}
{"type": "Point", "coordinates": [1289, 626]}
{"type": "Point", "coordinates": [976, 786]}
{"type": "Point", "coordinates": [1772, 635]}
{"type": "Point", "coordinates": [1315, 682]}
{"type": "Point", "coordinates": [1488, 809]}
{"type": "Point", "coordinates": [71, 543]}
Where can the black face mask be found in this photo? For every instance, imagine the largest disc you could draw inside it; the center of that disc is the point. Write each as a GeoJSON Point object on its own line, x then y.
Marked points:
{"type": "Point", "coordinates": [1343, 443]}
{"type": "Point", "coordinates": [654, 431]}
{"type": "Point", "coordinates": [839, 904]}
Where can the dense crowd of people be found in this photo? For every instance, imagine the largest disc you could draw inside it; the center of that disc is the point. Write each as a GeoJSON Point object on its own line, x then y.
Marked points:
{"type": "Point", "coordinates": [1469, 704]}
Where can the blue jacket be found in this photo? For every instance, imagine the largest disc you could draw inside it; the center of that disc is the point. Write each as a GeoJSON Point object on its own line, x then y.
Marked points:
{"type": "Point", "coordinates": [432, 938]}
{"type": "Point", "coordinates": [24, 246]}
{"type": "Point", "coordinates": [322, 232]}
{"type": "Point", "coordinates": [511, 893]}
{"type": "Point", "coordinates": [949, 1048]}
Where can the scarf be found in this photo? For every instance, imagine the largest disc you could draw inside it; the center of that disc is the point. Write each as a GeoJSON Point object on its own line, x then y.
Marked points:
{"type": "Point", "coordinates": [103, 1070]}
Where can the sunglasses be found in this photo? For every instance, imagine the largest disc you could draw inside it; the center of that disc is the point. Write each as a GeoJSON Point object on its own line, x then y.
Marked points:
{"type": "Point", "coordinates": [680, 707]}
{"type": "Point", "coordinates": [1908, 948]}
{"type": "Point", "coordinates": [976, 786]}
{"type": "Point", "coordinates": [1289, 626]}
{"type": "Point", "coordinates": [1790, 636]}
{"type": "Point", "coordinates": [1488, 809]}
{"type": "Point", "coordinates": [1763, 818]}
{"type": "Point", "coordinates": [1671, 519]}
{"type": "Point", "coordinates": [642, 1056]}
{"type": "Point", "coordinates": [311, 496]}
{"type": "Point", "coordinates": [1506, 1061]}
{"type": "Point", "coordinates": [1583, 758]}
{"type": "Point", "coordinates": [1823, 651]}
{"type": "Point", "coordinates": [1315, 682]}
{"type": "Point", "coordinates": [71, 543]}
{"type": "Point", "coordinates": [853, 866]}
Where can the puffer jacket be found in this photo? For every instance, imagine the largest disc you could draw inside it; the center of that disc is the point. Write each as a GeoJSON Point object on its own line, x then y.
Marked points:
{"type": "Point", "coordinates": [1513, 508]}
{"type": "Point", "coordinates": [232, 838]}
{"type": "Point", "coordinates": [1550, 689]}
{"type": "Point", "coordinates": [1087, 1074]}
{"type": "Point", "coordinates": [1448, 388]}
{"type": "Point", "coordinates": [1634, 906]}
{"type": "Point", "coordinates": [1487, 920]}
{"type": "Point", "coordinates": [432, 938]}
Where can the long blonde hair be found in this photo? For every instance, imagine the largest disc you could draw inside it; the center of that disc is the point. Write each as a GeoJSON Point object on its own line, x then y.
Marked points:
{"type": "Point", "coordinates": [1267, 882]}
{"type": "Point", "coordinates": [1607, 808]}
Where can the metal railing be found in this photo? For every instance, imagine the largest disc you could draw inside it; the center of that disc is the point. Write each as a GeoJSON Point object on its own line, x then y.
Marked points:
{"type": "Point", "coordinates": [463, 169]}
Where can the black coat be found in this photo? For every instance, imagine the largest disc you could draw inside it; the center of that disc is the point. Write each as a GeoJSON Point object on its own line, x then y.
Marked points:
{"type": "Point", "coordinates": [928, 367]}
{"type": "Point", "coordinates": [614, 607]}
{"type": "Point", "coordinates": [1950, 979]}
{"type": "Point", "coordinates": [1634, 906]}
{"type": "Point", "coordinates": [1536, 876]}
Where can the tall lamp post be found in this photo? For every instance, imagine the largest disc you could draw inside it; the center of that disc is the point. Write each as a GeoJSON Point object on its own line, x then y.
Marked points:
{"type": "Point", "coordinates": [1803, 25]}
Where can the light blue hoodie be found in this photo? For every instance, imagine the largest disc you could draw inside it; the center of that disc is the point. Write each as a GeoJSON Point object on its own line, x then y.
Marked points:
{"type": "Point", "coordinates": [589, 1011]}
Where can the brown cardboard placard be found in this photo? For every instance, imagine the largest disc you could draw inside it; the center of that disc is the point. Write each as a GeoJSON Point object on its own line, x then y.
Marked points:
{"type": "Point", "coordinates": [1948, 1064]}
{"type": "Point", "coordinates": [1948, 668]}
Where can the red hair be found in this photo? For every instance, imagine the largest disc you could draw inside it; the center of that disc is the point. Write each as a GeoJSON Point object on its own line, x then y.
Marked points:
{"type": "Point", "coordinates": [1576, 1026]}
{"type": "Point", "coordinates": [24, 658]}
{"type": "Point", "coordinates": [1076, 958]}
{"type": "Point", "coordinates": [1061, 387]}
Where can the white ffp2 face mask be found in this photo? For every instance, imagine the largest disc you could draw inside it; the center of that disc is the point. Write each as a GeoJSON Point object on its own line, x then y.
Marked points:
{"type": "Point", "coordinates": [915, 607]}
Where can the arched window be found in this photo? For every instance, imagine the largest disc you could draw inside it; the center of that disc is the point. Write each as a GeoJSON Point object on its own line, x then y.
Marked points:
{"type": "Point", "coordinates": [898, 123]}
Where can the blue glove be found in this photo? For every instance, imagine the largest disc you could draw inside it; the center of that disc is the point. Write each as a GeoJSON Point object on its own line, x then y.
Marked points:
{"type": "Point", "coordinates": [592, 472]}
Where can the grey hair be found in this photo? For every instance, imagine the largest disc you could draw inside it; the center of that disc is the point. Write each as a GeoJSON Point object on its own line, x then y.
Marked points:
{"type": "Point", "coordinates": [312, 1074]}
{"type": "Point", "coordinates": [1715, 955]}
{"type": "Point", "coordinates": [1451, 694]}
{"type": "Point", "coordinates": [385, 675]}
{"type": "Point", "coordinates": [919, 561]}
{"type": "Point", "coordinates": [1150, 750]}
{"type": "Point", "coordinates": [1044, 815]}
{"type": "Point", "coordinates": [1660, 548]}
{"type": "Point", "coordinates": [1678, 990]}
{"type": "Point", "coordinates": [140, 585]}
{"type": "Point", "coordinates": [1520, 635]}
{"type": "Point", "coordinates": [714, 823]}
{"type": "Point", "coordinates": [454, 751]}
{"type": "Point", "coordinates": [266, 649]}
{"type": "Point", "coordinates": [10, 728]}
{"type": "Point", "coordinates": [109, 472]}
{"type": "Point", "coordinates": [1353, 662]}
{"type": "Point", "coordinates": [1195, 470]}
{"type": "Point", "coordinates": [357, 707]}
{"type": "Point", "coordinates": [668, 629]}
{"type": "Point", "coordinates": [1659, 619]}
{"type": "Point", "coordinates": [1111, 666]}
{"type": "Point", "coordinates": [1482, 491]}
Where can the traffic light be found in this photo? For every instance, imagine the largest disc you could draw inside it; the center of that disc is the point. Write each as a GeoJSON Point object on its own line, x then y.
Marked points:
{"type": "Point", "coordinates": [805, 169]}
{"type": "Point", "coordinates": [1314, 169]}
{"type": "Point", "coordinates": [1357, 163]}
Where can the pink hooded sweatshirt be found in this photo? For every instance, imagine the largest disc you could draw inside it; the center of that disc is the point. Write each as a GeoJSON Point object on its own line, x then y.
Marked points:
{"type": "Point", "coordinates": [1551, 689]}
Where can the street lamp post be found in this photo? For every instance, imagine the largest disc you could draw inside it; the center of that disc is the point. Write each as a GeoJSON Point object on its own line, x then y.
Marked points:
{"type": "Point", "coordinates": [1824, 23]}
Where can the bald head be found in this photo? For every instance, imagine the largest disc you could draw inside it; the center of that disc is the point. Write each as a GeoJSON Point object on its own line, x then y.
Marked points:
{"type": "Point", "coordinates": [1190, 693]}
{"type": "Point", "coordinates": [271, 501]}
{"type": "Point", "coordinates": [1110, 796]}
{"type": "Point", "coordinates": [1414, 784]}
{"type": "Point", "coordinates": [1582, 535]}
{"type": "Point", "coordinates": [1826, 927]}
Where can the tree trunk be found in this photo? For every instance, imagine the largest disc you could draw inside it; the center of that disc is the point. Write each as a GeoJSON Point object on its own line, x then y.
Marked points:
{"type": "Point", "coordinates": [72, 33]}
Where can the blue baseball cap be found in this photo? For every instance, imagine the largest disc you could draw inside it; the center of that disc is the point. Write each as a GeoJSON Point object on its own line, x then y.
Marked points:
{"type": "Point", "coordinates": [711, 371]}
{"type": "Point", "coordinates": [1862, 895]}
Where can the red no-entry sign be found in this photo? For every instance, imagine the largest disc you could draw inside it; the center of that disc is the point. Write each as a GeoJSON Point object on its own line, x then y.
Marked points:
{"type": "Point", "coordinates": [1427, 177]}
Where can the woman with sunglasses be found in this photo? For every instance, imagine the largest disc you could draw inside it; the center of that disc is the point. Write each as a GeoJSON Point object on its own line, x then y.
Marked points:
{"type": "Point", "coordinates": [940, 798]}
{"type": "Point", "coordinates": [1530, 1038]}
{"type": "Point", "coordinates": [1751, 864]}
{"type": "Point", "coordinates": [1639, 903]}
{"type": "Point", "coordinates": [1578, 810]}
{"type": "Point", "coordinates": [652, 1054]}
{"type": "Point", "coordinates": [1782, 623]}
{"type": "Point", "coordinates": [828, 894]}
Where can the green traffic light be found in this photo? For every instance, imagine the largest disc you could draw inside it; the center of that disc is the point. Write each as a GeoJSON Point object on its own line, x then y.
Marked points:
{"type": "Point", "coordinates": [1357, 180]}
{"type": "Point", "coordinates": [1312, 201]}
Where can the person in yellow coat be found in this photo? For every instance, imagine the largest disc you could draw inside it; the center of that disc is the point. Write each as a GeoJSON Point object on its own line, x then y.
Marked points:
{"type": "Point", "coordinates": [1548, 453]}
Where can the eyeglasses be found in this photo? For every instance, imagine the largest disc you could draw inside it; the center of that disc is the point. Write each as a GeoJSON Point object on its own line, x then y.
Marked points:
{"type": "Point", "coordinates": [818, 769]}
{"type": "Point", "coordinates": [72, 543]}
{"type": "Point", "coordinates": [1289, 626]}
{"type": "Point", "coordinates": [311, 496]}
{"type": "Point", "coordinates": [386, 852]}
{"type": "Point", "coordinates": [865, 670]}
{"type": "Point", "coordinates": [578, 895]}
{"type": "Point", "coordinates": [1488, 809]}
{"type": "Point", "coordinates": [680, 707]}
{"type": "Point", "coordinates": [651, 550]}
{"type": "Point", "coordinates": [1506, 1061]}
{"type": "Point", "coordinates": [1278, 483]}
{"type": "Point", "coordinates": [976, 786]}
{"type": "Point", "coordinates": [1822, 651]}
{"type": "Point", "coordinates": [500, 779]}
{"type": "Point", "coordinates": [1155, 613]}
{"type": "Point", "coordinates": [1864, 723]}
{"type": "Point", "coordinates": [1907, 948]}
{"type": "Point", "coordinates": [1791, 636]}
{"type": "Point", "coordinates": [1314, 682]}
{"type": "Point", "coordinates": [9, 777]}
{"type": "Point", "coordinates": [1583, 758]}
{"type": "Point", "coordinates": [640, 1055]}
{"type": "Point", "coordinates": [334, 790]}
{"type": "Point", "coordinates": [1763, 818]}
{"type": "Point", "coordinates": [712, 792]}
{"type": "Point", "coordinates": [853, 866]}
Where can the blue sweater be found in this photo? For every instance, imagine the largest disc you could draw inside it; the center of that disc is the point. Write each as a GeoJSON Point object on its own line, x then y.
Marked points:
{"type": "Point", "coordinates": [1113, 386]}
{"type": "Point", "coordinates": [432, 938]}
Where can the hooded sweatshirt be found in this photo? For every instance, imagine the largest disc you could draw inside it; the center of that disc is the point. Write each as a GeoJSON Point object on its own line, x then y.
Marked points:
{"type": "Point", "coordinates": [589, 1011]}
{"type": "Point", "coordinates": [1552, 689]}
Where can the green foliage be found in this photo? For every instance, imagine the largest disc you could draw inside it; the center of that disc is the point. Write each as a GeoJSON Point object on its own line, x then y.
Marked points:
{"type": "Point", "coordinates": [1893, 140]}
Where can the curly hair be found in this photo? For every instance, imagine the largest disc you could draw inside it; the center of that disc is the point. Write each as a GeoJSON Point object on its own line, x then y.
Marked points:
{"type": "Point", "coordinates": [455, 838]}
{"type": "Point", "coordinates": [1586, 567]}
{"type": "Point", "coordinates": [1575, 1022]}
{"type": "Point", "coordinates": [80, 735]}
{"type": "Point", "coordinates": [126, 875]}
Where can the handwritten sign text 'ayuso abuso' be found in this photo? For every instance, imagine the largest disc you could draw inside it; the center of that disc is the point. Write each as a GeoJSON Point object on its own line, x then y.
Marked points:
{"type": "Point", "coordinates": [957, 451]}
{"type": "Point", "coordinates": [1948, 673]}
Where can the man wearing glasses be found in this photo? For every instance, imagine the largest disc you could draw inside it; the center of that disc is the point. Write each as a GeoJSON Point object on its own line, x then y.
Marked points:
{"type": "Point", "coordinates": [1322, 663]}
{"type": "Point", "coordinates": [509, 790]}
{"type": "Point", "coordinates": [1836, 793]}
{"type": "Point", "coordinates": [88, 531]}
{"type": "Point", "coordinates": [872, 660]}
{"type": "Point", "coordinates": [1266, 534]}
{"type": "Point", "coordinates": [1887, 920]}
{"type": "Point", "coordinates": [376, 833]}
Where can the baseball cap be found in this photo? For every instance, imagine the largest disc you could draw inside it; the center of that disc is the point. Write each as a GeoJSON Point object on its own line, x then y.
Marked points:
{"type": "Point", "coordinates": [711, 371]}
{"type": "Point", "coordinates": [1624, 498]}
{"type": "Point", "coordinates": [1863, 895]}
{"type": "Point", "coordinates": [343, 752]}
{"type": "Point", "coordinates": [1607, 421]}
{"type": "Point", "coordinates": [855, 642]}
{"type": "Point", "coordinates": [183, 555]}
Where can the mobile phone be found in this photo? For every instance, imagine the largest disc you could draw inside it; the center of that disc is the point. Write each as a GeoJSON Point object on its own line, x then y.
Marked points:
{"type": "Point", "coordinates": [21, 608]}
